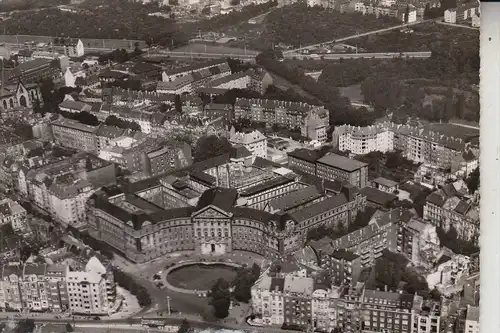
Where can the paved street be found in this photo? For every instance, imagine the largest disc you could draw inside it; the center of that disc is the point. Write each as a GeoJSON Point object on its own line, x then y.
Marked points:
{"type": "Point", "coordinates": [185, 304]}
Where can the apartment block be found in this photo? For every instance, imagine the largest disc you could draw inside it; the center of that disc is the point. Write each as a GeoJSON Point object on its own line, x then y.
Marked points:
{"type": "Point", "coordinates": [447, 207]}
{"type": "Point", "coordinates": [311, 120]}
{"type": "Point", "coordinates": [422, 144]}
{"type": "Point", "coordinates": [255, 142]}
{"type": "Point", "coordinates": [72, 134]}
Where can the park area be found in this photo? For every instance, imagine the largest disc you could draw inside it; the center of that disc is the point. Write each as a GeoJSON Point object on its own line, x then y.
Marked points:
{"type": "Point", "coordinates": [200, 276]}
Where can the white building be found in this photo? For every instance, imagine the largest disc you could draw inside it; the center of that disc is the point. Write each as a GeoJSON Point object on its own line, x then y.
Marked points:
{"type": "Point", "coordinates": [89, 291]}
{"type": "Point", "coordinates": [255, 142]}
{"type": "Point", "coordinates": [426, 318]}
{"type": "Point", "coordinates": [268, 299]}
{"type": "Point", "coordinates": [472, 320]}
{"type": "Point", "coordinates": [476, 20]}
{"type": "Point", "coordinates": [450, 15]}
{"type": "Point", "coordinates": [13, 213]}
{"type": "Point", "coordinates": [363, 140]}
{"type": "Point", "coordinates": [67, 200]}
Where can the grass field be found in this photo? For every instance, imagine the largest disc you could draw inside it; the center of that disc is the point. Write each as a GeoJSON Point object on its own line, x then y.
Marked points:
{"type": "Point", "coordinates": [199, 276]}
{"type": "Point", "coordinates": [352, 92]}
{"type": "Point", "coordinates": [211, 48]}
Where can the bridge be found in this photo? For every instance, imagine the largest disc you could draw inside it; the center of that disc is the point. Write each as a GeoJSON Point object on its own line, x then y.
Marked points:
{"type": "Point", "coordinates": [339, 40]}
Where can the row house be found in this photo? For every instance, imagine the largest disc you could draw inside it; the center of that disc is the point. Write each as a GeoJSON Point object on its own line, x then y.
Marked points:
{"type": "Point", "coordinates": [419, 144]}
{"type": "Point", "coordinates": [462, 13]}
{"type": "Point", "coordinates": [257, 80]}
{"type": "Point", "coordinates": [371, 241]}
{"type": "Point", "coordinates": [447, 208]}
{"type": "Point", "coordinates": [14, 214]}
{"type": "Point", "coordinates": [300, 302]}
{"type": "Point", "coordinates": [217, 68]}
{"type": "Point", "coordinates": [311, 120]}
{"type": "Point", "coordinates": [73, 134]}
{"type": "Point", "coordinates": [388, 8]}
{"type": "Point", "coordinates": [61, 188]}
{"type": "Point", "coordinates": [44, 287]}
{"type": "Point", "coordinates": [71, 106]}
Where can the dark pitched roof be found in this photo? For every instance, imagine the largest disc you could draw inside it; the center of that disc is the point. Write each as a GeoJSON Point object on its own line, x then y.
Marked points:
{"type": "Point", "coordinates": [462, 207]}
{"type": "Point", "coordinates": [239, 151]}
{"type": "Point", "coordinates": [306, 154]}
{"type": "Point", "coordinates": [295, 198]}
{"type": "Point", "coordinates": [376, 196]}
{"type": "Point", "coordinates": [273, 182]}
{"type": "Point", "coordinates": [319, 208]}
{"type": "Point", "coordinates": [277, 284]}
{"type": "Point", "coordinates": [222, 198]}
{"type": "Point", "coordinates": [344, 254]}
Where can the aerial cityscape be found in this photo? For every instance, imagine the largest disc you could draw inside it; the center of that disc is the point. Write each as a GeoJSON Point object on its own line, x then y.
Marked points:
{"type": "Point", "coordinates": [239, 166]}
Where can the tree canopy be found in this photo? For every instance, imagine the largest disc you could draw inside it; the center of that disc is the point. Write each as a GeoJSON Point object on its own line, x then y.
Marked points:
{"type": "Point", "coordinates": [299, 24]}
{"type": "Point", "coordinates": [243, 282]}
{"type": "Point", "coordinates": [473, 180]}
{"type": "Point", "coordinates": [220, 298]}
{"type": "Point", "coordinates": [125, 124]}
{"type": "Point", "coordinates": [210, 146]}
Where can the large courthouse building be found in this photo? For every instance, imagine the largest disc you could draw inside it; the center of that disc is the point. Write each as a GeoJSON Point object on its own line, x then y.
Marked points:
{"type": "Point", "coordinates": [194, 212]}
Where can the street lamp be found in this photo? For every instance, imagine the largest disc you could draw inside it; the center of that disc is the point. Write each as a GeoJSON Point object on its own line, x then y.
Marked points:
{"type": "Point", "coordinates": [168, 305]}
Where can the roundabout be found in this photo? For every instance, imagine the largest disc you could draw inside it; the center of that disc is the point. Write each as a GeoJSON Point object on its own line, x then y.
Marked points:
{"type": "Point", "coordinates": [198, 277]}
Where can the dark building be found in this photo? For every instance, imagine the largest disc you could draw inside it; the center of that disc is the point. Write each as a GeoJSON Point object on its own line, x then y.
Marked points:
{"type": "Point", "coordinates": [34, 71]}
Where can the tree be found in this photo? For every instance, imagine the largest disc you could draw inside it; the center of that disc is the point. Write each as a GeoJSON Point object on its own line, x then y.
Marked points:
{"type": "Point", "coordinates": [426, 10]}
{"type": "Point", "coordinates": [220, 298]}
{"type": "Point", "coordinates": [460, 106]}
{"type": "Point", "coordinates": [473, 181]}
{"type": "Point", "coordinates": [173, 2]}
{"type": "Point", "coordinates": [25, 326]}
{"type": "Point", "coordinates": [69, 328]}
{"type": "Point", "coordinates": [243, 282]}
{"type": "Point", "coordinates": [125, 124]}
{"type": "Point", "coordinates": [235, 2]}
{"type": "Point", "coordinates": [178, 103]}
{"type": "Point", "coordinates": [184, 328]}
{"type": "Point", "coordinates": [407, 13]}
{"type": "Point", "coordinates": [210, 146]}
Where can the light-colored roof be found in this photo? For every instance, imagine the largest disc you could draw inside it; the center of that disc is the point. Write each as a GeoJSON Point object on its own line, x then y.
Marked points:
{"type": "Point", "coordinates": [472, 313]}
{"type": "Point", "coordinates": [301, 285]}
{"type": "Point", "coordinates": [341, 162]}
{"type": "Point", "coordinates": [247, 138]}
{"type": "Point", "coordinates": [385, 182]}
{"type": "Point", "coordinates": [94, 265]}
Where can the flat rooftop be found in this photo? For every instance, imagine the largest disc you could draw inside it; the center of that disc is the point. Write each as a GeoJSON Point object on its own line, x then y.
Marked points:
{"type": "Point", "coordinates": [341, 162]}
